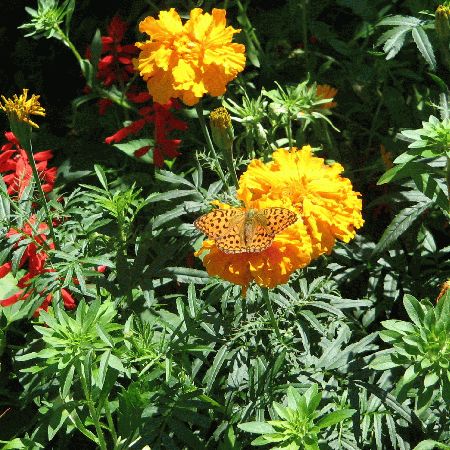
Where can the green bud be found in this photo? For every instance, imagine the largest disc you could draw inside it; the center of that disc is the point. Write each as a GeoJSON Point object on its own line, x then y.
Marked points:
{"type": "Point", "coordinates": [442, 23]}
{"type": "Point", "coordinates": [221, 128]}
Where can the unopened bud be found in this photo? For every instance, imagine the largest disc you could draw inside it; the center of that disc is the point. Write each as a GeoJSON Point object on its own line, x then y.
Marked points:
{"type": "Point", "coordinates": [221, 128]}
{"type": "Point", "coordinates": [442, 23]}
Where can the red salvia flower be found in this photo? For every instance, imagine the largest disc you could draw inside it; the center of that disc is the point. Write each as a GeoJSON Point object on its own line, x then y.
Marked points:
{"type": "Point", "coordinates": [34, 258]}
{"type": "Point", "coordinates": [164, 122]}
{"type": "Point", "coordinates": [16, 170]}
{"type": "Point", "coordinates": [115, 64]}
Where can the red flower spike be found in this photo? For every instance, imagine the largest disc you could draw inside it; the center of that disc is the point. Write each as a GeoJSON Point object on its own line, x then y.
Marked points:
{"type": "Point", "coordinates": [16, 169]}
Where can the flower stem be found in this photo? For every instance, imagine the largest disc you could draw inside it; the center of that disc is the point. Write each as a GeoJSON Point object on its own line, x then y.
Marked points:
{"type": "Point", "coordinates": [273, 320]}
{"type": "Point", "coordinates": [289, 129]}
{"type": "Point", "coordinates": [210, 145]}
{"type": "Point", "coordinates": [230, 164]}
{"type": "Point", "coordinates": [28, 149]}
{"type": "Point", "coordinates": [92, 411]}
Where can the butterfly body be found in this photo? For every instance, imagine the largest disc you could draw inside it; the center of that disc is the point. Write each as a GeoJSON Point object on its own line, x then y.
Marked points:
{"type": "Point", "coordinates": [240, 230]}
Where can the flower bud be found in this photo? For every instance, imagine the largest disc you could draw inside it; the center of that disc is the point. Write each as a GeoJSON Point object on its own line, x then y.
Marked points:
{"type": "Point", "coordinates": [221, 128]}
{"type": "Point", "coordinates": [442, 23]}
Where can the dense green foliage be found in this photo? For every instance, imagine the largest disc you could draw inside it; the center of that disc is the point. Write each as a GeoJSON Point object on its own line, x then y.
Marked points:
{"type": "Point", "coordinates": [134, 345]}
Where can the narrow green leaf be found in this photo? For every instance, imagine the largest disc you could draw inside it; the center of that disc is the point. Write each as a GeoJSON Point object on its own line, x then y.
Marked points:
{"type": "Point", "coordinates": [68, 382]}
{"type": "Point", "coordinates": [213, 371]}
{"type": "Point", "coordinates": [256, 427]}
{"type": "Point", "coordinates": [335, 417]}
{"type": "Point", "coordinates": [424, 46]}
{"type": "Point", "coordinates": [101, 176]}
{"type": "Point", "coordinates": [401, 223]}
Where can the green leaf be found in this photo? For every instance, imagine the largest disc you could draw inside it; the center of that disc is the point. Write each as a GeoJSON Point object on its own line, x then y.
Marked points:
{"type": "Point", "coordinates": [68, 382]}
{"type": "Point", "coordinates": [101, 176]}
{"type": "Point", "coordinates": [424, 46]}
{"type": "Point", "coordinates": [256, 427]}
{"type": "Point", "coordinates": [414, 309]}
{"type": "Point", "coordinates": [4, 202]}
{"type": "Point", "coordinates": [130, 147]}
{"type": "Point", "coordinates": [401, 223]}
{"type": "Point", "coordinates": [429, 444]}
{"type": "Point", "coordinates": [213, 371]}
{"type": "Point", "coordinates": [398, 20]}
{"type": "Point", "coordinates": [335, 417]}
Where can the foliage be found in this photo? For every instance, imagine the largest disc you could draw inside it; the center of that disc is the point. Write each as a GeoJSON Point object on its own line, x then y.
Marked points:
{"type": "Point", "coordinates": [113, 332]}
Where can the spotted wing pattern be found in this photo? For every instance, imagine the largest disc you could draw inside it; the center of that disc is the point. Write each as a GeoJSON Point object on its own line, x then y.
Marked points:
{"type": "Point", "coordinates": [226, 227]}
{"type": "Point", "coordinates": [278, 219]}
{"type": "Point", "coordinates": [217, 223]}
{"type": "Point", "coordinates": [232, 242]}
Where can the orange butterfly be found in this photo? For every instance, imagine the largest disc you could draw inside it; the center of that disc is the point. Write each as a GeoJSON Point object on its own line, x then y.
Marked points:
{"type": "Point", "coordinates": [240, 230]}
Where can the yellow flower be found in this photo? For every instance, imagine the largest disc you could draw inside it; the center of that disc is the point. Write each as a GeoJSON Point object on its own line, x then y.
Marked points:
{"type": "Point", "coordinates": [20, 108]}
{"type": "Point", "coordinates": [190, 60]}
{"type": "Point", "coordinates": [326, 206]}
{"type": "Point", "coordinates": [326, 91]}
{"type": "Point", "coordinates": [290, 250]}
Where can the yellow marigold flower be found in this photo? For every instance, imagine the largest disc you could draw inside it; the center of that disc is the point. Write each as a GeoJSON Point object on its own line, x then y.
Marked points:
{"type": "Point", "coordinates": [190, 60]}
{"type": "Point", "coordinates": [326, 91]}
{"type": "Point", "coordinates": [21, 108]}
{"type": "Point", "coordinates": [324, 201]}
{"type": "Point", "coordinates": [290, 250]}
{"type": "Point", "coordinates": [327, 206]}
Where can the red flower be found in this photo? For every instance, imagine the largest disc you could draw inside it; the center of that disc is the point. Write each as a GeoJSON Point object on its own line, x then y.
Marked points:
{"type": "Point", "coordinates": [16, 169]}
{"type": "Point", "coordinates": [35, 257]}
{"type": "Point", "coordinates": [115, 64]}
{"type": "Point", "coordinates": [164, 123]}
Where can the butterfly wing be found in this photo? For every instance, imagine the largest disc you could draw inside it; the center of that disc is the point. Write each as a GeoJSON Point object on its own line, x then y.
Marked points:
{"type": "Point", "coordinates": [277, 219]}
{"type": "Point", "coordinates": [262, 239]}
{"type": "Point", "coordinates": [217, 223]}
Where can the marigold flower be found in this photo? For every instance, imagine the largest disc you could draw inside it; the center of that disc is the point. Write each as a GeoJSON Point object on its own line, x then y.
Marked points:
{"type": "Point", "coordinates": [21, 108]}
{"type": "Point", "coordinates": [16, 169]}
{"type": "Point", "coordinates": [326, 91]}
{"type": "Point", "coordinates": [324, 201]}
{"type": "Point", "coordinates": [188, 61]}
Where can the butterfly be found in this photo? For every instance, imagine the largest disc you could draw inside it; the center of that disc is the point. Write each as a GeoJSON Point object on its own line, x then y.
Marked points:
{"type": "Point", "coordinates": [240, 230]}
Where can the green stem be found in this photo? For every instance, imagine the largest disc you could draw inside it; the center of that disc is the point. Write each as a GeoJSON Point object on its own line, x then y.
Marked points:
{"type": "Point", "coordinates": [273, 320]}
{"type": "Point", "coordinates": [289, 130]}
{"type": "Point", "coordinates": [109, 418]}
{"type": "Point", "coordinates": [448, 177]}
{"type": "Point", "coordinates": [230, 164]}
{"type": "Point", "coordinates": [29, 151]}
{"type": "Point", "coordinates": [92, 411]}
{"type": "Point", "coordinates": [210, 145]}
{"type": "Point", "coordinates": [69, 44]}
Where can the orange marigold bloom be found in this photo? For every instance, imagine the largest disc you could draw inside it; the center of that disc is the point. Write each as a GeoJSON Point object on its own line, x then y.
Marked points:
{"type": "Point", "coordinates": [326, 91]}
{"type": "Point", "coordinates": [324, 201]}
{"type": "Point", "coordinates": [190, 60]}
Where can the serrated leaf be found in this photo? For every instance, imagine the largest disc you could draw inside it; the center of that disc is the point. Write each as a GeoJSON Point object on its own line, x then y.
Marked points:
{"type": "Point", "coordinates": [424, 46]}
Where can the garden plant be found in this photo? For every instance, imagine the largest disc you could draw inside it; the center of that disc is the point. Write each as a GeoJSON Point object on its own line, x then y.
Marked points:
{"type": "Point", "coordinates": [225, 225]}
